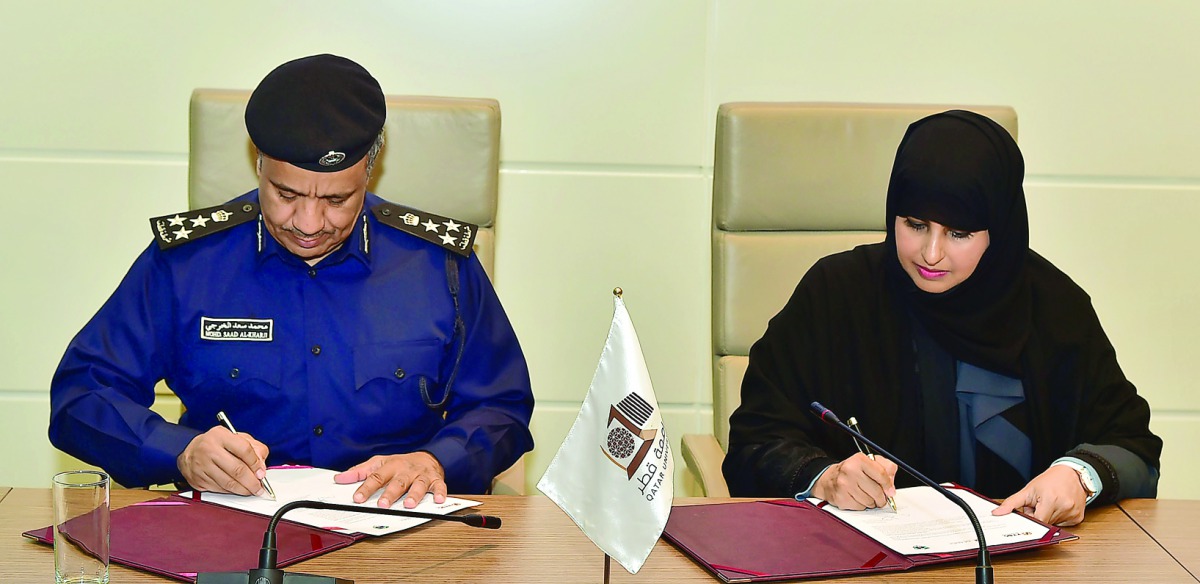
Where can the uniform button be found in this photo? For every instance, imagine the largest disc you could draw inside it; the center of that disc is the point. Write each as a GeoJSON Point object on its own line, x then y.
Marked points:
{"type": "Point", "coordinates": [316, 350]}
{"type": "Point", "coordinates": [399, 374]}
{"type": "Point", "coordinates": [312, 273]}
{"type": "Point", "coordinates": [234, 372]}
{"type": "Point", "coordinates": [318, 431]}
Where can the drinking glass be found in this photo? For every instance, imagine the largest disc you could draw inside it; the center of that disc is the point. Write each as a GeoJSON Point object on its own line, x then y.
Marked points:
{"type": "Point", "coordinates": [81, 527]}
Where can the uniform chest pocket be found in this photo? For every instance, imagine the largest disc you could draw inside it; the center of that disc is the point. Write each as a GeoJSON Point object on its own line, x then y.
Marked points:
{"type": "Point", "coordinates": [227, 371]}
{"type": "Point", "coordinates": [401, 370]}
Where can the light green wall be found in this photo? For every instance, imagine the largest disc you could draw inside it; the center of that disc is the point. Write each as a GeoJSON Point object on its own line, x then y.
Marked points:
{"type": "Point", "coordinates": [608, 110]}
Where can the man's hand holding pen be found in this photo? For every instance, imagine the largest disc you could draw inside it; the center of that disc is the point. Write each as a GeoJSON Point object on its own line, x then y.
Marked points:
{"type": "Point", "coordinates": [221, 461]}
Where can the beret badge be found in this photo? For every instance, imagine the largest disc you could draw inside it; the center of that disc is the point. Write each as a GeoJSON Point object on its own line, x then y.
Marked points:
{"type": "Point", "coordinates": [332, 159]}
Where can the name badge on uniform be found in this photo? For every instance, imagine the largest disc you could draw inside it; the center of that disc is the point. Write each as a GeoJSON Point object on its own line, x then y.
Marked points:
{"type": "Point", "coordinates": [237, 329]}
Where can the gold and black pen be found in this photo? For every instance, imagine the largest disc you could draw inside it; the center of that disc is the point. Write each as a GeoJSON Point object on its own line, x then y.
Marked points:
{"type": "Point", "coordinates": [863, 448]}
{"type": "Point", "coordinates": [229, 426]}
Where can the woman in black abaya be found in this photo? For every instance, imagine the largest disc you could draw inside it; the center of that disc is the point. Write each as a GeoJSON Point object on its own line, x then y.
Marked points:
{"type": "Point", "coordinates": [959, 349]}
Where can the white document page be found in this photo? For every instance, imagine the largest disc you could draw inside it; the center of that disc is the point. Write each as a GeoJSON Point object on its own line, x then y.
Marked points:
{"type": "Point", "coordinates": [929, 523]}
{"type": "Point", "coordinates": [316, 484]}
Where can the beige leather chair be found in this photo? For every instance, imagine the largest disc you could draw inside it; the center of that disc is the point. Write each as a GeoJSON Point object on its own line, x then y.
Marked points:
{"type": "Point", "coordinates": [792, 182]}
{"type": "Point", "coordinates": [441, 155]}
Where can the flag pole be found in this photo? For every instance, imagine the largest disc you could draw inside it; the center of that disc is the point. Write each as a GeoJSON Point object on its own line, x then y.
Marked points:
{"type": "Point", "coordinates": [607, 559]}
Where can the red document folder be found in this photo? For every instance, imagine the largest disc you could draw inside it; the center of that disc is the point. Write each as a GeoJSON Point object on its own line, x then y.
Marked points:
{"type": "Point", "coordinates": [761, 541]}
{"type": "Point", "coordinates": [178, 537]}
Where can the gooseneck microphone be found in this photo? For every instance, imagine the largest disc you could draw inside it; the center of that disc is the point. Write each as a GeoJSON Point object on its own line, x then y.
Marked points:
{"type": "Point", "coordinates": [268, 571]}
{"type": "Point", "coordinates": [983, 571]}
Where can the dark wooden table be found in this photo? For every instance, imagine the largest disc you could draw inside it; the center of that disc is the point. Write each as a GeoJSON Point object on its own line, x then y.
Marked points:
{"type": "Point", "coordinates": [539, 543]}
{"type": "Point", "coordinates": [1175, 525]}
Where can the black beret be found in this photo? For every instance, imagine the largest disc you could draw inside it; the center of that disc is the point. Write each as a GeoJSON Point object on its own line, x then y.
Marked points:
{"type": "Point", "coordinates": [320, 113]}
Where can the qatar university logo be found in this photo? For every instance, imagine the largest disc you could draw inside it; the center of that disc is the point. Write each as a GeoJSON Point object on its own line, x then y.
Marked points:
{"type": "Point", "coordinates": [628, 439]}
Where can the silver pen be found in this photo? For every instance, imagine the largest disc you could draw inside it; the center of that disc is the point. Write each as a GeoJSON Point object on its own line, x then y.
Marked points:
{"type": "Point", "coordinates": [867, 451]}
{"type": "Point", "coordinates": [229, 426]}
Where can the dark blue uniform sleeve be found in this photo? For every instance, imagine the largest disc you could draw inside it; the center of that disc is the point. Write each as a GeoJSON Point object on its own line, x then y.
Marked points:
{"type": "Point", "coordinates": [490, 400]}
{"type": "Point", "coordinates": [101, 394]}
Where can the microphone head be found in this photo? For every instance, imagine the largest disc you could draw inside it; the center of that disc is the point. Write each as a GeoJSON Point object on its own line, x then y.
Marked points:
{"type": "Point", "coordinates": [825, 413]}
{"type": "Point", "coordinates": [484, 521]}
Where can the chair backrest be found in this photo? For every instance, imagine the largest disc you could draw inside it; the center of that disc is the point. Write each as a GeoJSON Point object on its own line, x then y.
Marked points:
{"type": "Point", "coordinates": [792, 183]}
{"type": "Point", "coordinates": [442, 155]}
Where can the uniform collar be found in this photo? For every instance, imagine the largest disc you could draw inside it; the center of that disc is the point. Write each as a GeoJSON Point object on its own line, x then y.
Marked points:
{"type": "Point", "coordinates": [357, 245]}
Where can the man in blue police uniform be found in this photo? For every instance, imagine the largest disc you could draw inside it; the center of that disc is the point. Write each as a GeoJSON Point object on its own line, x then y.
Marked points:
{"type": "Point", "coordinates": [336, 329]}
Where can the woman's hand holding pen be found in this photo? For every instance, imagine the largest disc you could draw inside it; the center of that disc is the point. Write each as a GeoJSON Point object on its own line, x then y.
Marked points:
{"type": "Point", "coordinates": [223, 462]}
{"type": "Point", "coordinates": [858, 483]}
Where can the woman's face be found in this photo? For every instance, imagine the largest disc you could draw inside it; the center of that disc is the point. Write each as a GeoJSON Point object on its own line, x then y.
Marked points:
{"type": "Point", "coordinates": [937, 257]}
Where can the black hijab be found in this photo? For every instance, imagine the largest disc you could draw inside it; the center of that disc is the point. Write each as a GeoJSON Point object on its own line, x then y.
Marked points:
{"type": "Point", "coordinates": [964, 171]}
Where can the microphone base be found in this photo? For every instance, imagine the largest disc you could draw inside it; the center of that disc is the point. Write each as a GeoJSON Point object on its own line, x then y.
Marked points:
{"type": "Point", "coordinates": [983, 575]}
{"type": "Point", "coordinates": [271, 578]}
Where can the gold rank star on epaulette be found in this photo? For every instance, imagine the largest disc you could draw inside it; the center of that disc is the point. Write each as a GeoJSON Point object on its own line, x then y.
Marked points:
{"type": "Point", "coordinates": [179, 228]}
{"type": "Point", "coordinates": [456, 236]}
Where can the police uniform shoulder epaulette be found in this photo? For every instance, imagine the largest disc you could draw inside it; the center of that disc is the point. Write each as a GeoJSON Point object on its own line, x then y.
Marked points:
{"type": "Point", "coordinates": [179, 228]}
{"type": "Point", "coordinates": [456, 236]}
